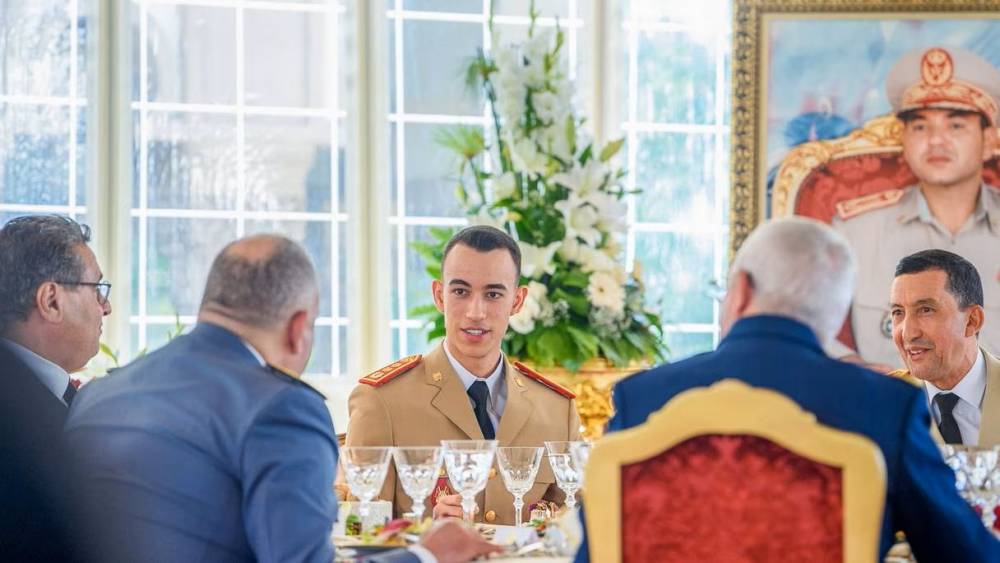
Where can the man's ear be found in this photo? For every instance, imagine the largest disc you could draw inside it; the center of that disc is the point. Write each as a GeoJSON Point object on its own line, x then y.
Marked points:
{"type": "Point", "coordinates": [974, 323]}
{"type": "Point", "coordinates": [519, 296]}
{"type": "Point", "coordinates": [298, 325]}
{"type": "Point", "coordinates": [989, 142]}
{"type": "Point", "coordinates": [742, 290]}
{"type": "Point", "coordinates": [49, 298]}
{"type": "Point", "coordinates": [437, 290]}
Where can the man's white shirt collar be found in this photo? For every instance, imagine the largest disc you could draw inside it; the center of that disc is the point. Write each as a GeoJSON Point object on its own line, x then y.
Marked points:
{"type": "Point", "coordinates": [495, 383]}
{"type": "Point", "coordinates": [53, 377]}
{"type": "Point", "coordinates": [970, 390]}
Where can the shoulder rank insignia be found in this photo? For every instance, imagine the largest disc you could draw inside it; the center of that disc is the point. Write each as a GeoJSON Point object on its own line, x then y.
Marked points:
{"type": "Point", "coordinates": [291, 377]}
{"type": "Point", "coordinates": [904, 374]}
{"type": "Point", "coordinates": [853, 207]}
{"type": "Point", "coordinates": [388, 373]}
{"type": "Point", "coordinates": [532, 374]}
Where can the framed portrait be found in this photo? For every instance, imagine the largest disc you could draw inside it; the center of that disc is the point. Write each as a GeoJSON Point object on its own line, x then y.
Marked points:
{"type": "Point", "coordinates": [810, 74]}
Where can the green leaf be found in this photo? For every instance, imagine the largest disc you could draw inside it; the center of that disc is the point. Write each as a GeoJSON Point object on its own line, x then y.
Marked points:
{"type": "Point", "coordinates": [463, 140]}
{"type": "Point", "coordinates": [426, 310]}
{"type": "Point", "coordinates": [577, 302]}
{"type": "Point", "coordinates": [585, 341]}
{"type": "Point", "coordinates": [609, 351]}
{"type": "Point", "coordinates": [611, 149]}
{"type": "Point", "coordinates": [107, 351]}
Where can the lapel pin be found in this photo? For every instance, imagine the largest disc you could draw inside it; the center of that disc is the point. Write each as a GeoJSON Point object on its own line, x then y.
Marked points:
{"type": "Point", "coordinates": [437, 377]}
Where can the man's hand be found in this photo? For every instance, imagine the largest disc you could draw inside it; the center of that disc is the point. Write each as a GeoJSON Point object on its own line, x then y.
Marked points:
{"type": "Point", "coordinates": [449, 506]}
{"type": "Point", "coordinates": [456, 542]}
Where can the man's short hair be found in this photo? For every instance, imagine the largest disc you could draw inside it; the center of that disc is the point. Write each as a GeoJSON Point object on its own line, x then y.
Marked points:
{"type": "Point", "coordinates": [911, 115]}
{"type": "Point", "coordinates": [964, 283]}
{"type": "Point", "coordinates": [483, 238]}
{"type": "Point", "coordinates": [260, 291]}
{"type": "Point", "coordinates": [35, 249]}
{"type": "Point", "coordinates": [802, 269]}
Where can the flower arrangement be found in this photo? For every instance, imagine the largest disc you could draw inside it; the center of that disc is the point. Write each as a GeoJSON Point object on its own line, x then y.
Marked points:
{"type": "Point", "coordinates": [562, 200]}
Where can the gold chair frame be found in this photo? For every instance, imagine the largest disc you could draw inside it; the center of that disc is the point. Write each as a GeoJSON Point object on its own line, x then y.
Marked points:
{"type": "Point", "coordinates": [733, 407]}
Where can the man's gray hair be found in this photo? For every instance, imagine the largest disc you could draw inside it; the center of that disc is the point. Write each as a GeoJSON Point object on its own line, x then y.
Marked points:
{"type": "Point", "coordinates": [260, 290]}
{"type": "Point", "coordinates": [803, 269]}
{"type": "Point", "coordinates": [35, 249]}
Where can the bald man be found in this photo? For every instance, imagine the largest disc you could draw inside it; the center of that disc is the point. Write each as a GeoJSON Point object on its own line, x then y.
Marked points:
{"type": "Point", "coordinates": [211, 448]}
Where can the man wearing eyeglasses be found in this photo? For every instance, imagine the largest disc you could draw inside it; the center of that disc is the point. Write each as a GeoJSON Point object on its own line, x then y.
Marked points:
{"type": "Point", "coordinates": [52, 303]}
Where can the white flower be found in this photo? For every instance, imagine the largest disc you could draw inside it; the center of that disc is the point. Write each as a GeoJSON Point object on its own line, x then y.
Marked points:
{"type": "Point", "coordinates": [537, 291]}
{"type": "Point", "coordinates": [504, 185]}
{"type": "Point", "coordinates": [527, 157]}
{"type": "Point", "coordinates": [582, 180]}
{"type": "Point", "coordinates": [548, 106]}
{"type": "Point", "coordinates": [537, 260]}
{"type": "Point", "coordinates": [581, 220]}
{"type": "Point", "coordinates": [596, 261]}
{"type": "Point", "coordinates": [555, 141]}
{"type": "Point", "coordinates": [486, 217]}
{"type": "Point", "coordinates": [611, 212]}
{"type": "Point", "coordinates": [604, 291]}
{"type": "Point", "coordinates": [524, 320]}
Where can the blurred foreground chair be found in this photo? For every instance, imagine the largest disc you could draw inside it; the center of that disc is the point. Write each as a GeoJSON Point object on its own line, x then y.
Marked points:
{"type": "Point", "coordinates": [734, 473]}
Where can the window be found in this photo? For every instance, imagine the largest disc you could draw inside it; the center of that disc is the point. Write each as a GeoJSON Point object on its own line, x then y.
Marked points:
{"type": "Point", "coordinates": [45, 118]}
{"type": "Point", "coordinates": [238, 114]}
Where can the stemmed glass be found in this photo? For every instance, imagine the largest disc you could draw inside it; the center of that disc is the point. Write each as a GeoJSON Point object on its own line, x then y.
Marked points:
{"type": "Point", "coordinates": [468, 463]}
{"type": "Point", "coordinates": [567, 472]}
{"type": "Point", "coordinates": [518, 467]}
{"type": "Point", "coordinates": [365, 468]}
{"type": "Point", "coordinates": [417, 469]}
{"type": "Point", "coordinates": [581, 454]}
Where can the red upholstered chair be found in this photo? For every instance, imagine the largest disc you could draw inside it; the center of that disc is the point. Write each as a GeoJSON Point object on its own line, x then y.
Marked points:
{"type": "Point", "coordinates": [734, 473]}
{"type": "Point", "coordinates": [815, 176]}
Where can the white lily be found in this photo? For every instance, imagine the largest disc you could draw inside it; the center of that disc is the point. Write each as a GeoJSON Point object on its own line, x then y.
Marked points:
{"type": "Point", "coordinates": [582, 180]}
{"type": "Point", "coordinates": [487, 218]}
{"type": "Point", "coordinates": [581, 219]}
{"type": "Point", "coordinates": [537, 260]}
{"type": "Point", "coordinates": [611, 212]}
{"type": "Point", "coordinates": [504, 185]}
{"type": "Point", "coordinates": [527, 157]}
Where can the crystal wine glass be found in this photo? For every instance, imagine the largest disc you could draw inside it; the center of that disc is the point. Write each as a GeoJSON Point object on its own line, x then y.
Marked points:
{"type": "Point", "coordinates": [365, 468]}
{"type": "Point", "coordinates": [417, 469]}
{"type": "Point", "coordinates": [518, 467]}
{"type": "Point", "coordinates": [567, 472]}
{"type": "Point", "coordinates": [468, 463]}
{"type": "Point", "coordinates": [979, 466]}
{"type": "Point", "coordinates": [581, 455]}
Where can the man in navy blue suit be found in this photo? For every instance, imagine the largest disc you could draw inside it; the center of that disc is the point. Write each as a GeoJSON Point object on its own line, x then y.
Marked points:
{"type": "Point", "coordinates": [789, 291]}
{"type": "Point", "coordinates": [211, 448]}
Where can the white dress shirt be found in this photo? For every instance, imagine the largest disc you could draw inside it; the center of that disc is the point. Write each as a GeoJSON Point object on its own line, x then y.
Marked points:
{"type": "Point", "coordinates": [495, 382]}
{"type": "Point", "coordinates": [53, 377]}
{"type": "Point", "coordinates": [970, 391]}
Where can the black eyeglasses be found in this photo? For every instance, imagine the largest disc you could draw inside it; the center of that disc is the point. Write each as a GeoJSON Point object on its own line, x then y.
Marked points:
{"type": "Point", "coordinates": [103, 289]}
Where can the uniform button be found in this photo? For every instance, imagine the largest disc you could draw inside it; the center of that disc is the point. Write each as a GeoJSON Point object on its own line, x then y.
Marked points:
{"type": "Point", "coordinates": [493, 472]}
{"type": "Point", "coordinates": [491, 516]}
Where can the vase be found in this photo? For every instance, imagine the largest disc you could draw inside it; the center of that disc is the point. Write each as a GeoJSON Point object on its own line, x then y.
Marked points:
{"type": "Point", "coordinates": [592, 385]}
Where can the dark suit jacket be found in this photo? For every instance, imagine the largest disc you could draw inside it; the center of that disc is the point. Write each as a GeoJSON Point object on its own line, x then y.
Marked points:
{"type": "Point", "coordinates": [781, 354]}
{"type": "Point", "coordinates": [37, 516]}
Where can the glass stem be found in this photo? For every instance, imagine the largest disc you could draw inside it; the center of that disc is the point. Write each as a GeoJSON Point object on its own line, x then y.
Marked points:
{"type": "Point", "coordinates": [418, 509]}
{"type": "Point", "coordinates": [468, 508]}
{"type": "Point", "coordinates": [571, 498]}
{"type": "Point", "coordinates": [518, 505]}
{"type": "Point", "coordinates": [364, 509]}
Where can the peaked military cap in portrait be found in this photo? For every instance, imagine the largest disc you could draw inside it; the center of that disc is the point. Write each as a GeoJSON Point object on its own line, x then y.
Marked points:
{"type": "Point", "coordinates": [944, 78]}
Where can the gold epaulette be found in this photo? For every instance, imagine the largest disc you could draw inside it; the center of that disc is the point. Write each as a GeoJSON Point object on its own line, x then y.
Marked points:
{"type": "Point", "coordinates": [532, 374]}
{"type": "Point", "coordinates": [904, 374]}
{"type": "Point", "coordinates": [853, 207]}
{"type": "Point", "coordinates": [380, 377]}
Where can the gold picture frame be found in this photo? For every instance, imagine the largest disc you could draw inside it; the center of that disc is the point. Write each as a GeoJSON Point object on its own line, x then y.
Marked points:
{"type": "Point", "coordinates": [753, 145]}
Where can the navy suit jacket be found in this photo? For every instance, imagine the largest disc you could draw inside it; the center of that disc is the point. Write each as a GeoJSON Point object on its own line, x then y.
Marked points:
{"type": "Point", "coordinates": [781, 354]}
{"type": "Point", "coordinates": [197, 452]}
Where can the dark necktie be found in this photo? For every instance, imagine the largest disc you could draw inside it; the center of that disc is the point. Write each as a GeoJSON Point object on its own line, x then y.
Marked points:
{"type": "Point", "coordinates": [69, 393]}
{"type": "Point", "coordinates": [480, 395]}
{"type": "Point", "coordinates": [949, 426]}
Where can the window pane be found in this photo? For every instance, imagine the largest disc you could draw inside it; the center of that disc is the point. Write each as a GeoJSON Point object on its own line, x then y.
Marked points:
{"type": "Point", "coordinates": [192, 161]}
{"type": "Point", "coordinates": [314, 236]}
{"type": "Point", "coordinates": [676, 75]}
{"type": "Point", "coordinates": [676, 172]}
{"type": "Point", "coordinates": [319, 362]}
{"type": "Point", "coordinates": [34, 154]}
{"type": "Point", "coordinates": [430, 174]}
{"type": "Point", "coordinates": [35, 48]}
{"type": "Point", "coordinates": [686, 344]}
{"type": "Point", "coordinates": [289, 51]}
{"type": "Point", "coordinates": [677, 269]}
{"type": "Point", "coordinates": [288, 164]}
{"type": "Point", "coordinates": [545, 8]}
{"type": "Point", "coordinates": [192, 54]}
{"type": "Point", "coordinates": [434, 58]}
{"type": "Point", "coordinates": [454, 6]}
{"type": "Point", "coordinates": [179, 254]}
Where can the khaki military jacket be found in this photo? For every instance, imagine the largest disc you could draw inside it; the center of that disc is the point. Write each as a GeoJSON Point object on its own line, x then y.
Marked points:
{"type": "Point", "coordinates": [989, 422]}
{"type": "Point", "coordinates": [428, 403]}
{"type": "Point", "coordinates": [882, 229]}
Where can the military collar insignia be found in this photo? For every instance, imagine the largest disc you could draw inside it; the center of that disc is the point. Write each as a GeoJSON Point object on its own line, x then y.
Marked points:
{"type": "Point", "coordinates": [532, 374]}
{"type": "Point", "coordinates": [382, 376]}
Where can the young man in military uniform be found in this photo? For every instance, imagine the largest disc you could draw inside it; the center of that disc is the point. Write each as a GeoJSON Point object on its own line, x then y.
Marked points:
{"type": "Point", "coordinates": [947, 99]}
{"type": "Point", "coordinates": [465, 388]}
